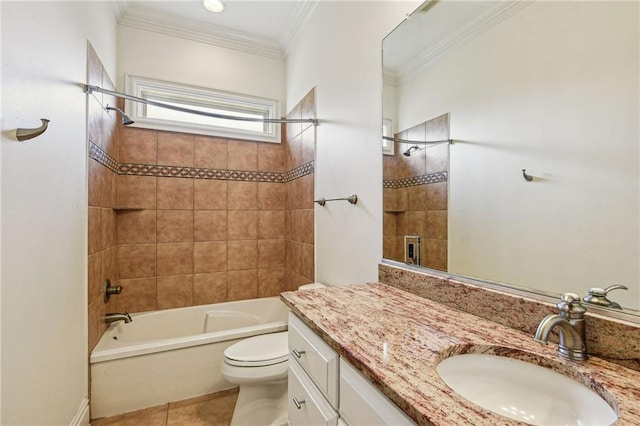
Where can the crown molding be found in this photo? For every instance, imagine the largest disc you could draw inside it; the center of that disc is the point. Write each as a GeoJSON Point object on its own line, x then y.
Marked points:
{"type": "Point", "coordinates": [167, 24]}
{"type": "Point", "coordinates": [171, 25]}
{"type": "Point", "coordinates": [501, 12]}
{"type": "Point", "coordinates": [296, 23]}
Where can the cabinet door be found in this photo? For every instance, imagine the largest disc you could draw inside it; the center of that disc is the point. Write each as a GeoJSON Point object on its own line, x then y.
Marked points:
{"type": "Point", "coordinates": [306, 404]}
{"type": "Point", "coordinates": [362, 404]}
{"type": "Point", "coordinates": [315, 356]}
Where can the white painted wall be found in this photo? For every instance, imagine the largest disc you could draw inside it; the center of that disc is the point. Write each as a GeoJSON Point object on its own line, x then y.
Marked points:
{"type": "Point", "coordinates": [571, 119]}
{"type": "Point", "coordinates": [339, 53]}
{"type": "Point", "coordinates": [154, 55]}
{"type": "Point", "coordinates": [44, 205]}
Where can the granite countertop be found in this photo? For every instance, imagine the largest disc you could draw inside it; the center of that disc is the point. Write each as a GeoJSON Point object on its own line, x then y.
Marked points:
{"type": "Point", "coordinates": [396, 339]}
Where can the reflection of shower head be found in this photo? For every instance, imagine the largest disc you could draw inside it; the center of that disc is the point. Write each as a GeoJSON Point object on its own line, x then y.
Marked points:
{"type": "Point", "coordinates": [411, 148]}
{"type": "Point", "coordinates": [125, 118]}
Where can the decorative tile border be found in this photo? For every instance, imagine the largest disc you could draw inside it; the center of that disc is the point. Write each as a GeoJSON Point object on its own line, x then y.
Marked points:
{"type": "Point", "coordinates": [131, 169]}
{"type": "Point", "coordinates": [96, 153]}
{"type": "Point", "coordinates": [416, 180]}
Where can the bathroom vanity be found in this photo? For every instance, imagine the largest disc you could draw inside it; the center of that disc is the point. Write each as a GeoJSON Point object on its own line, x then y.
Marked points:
{"type": "Point", "coordinates": [357, 348]}
{"type": "Point", "coordinates": [324, 389]}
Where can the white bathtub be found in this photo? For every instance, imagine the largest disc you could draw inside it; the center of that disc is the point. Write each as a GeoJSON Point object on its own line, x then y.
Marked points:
{"type": "Point", "coordinates": [174, 354]}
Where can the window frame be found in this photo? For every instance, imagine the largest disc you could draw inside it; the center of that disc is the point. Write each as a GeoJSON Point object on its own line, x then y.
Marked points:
{"type": "Point", "coordinates": [178, 92]}
{"type": "Point", "coordinates": [388, 147]}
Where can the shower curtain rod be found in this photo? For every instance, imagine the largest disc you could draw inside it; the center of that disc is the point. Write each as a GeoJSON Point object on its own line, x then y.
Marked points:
{"type": "Point", "coordinates": [90, 89]}
{"type": "Point", "coordinates": [416, 142]}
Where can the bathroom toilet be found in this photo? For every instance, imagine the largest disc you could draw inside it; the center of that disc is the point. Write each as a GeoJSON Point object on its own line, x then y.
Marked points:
{"type": "Point", "coordinates": [259, 366]}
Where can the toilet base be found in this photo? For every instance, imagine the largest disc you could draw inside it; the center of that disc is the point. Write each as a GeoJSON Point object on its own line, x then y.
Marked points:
{"type": "Point", "coordinates": [261, 405]}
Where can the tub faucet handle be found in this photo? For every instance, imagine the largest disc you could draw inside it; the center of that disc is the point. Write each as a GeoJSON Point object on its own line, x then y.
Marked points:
{"type": "Point", "coordinates": [109, 290]}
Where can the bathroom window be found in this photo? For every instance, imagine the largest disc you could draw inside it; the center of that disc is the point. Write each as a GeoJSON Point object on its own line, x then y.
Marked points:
{"type": "Point", "coordinates": [201, 99]}
{"type": "Point", "coordinates": [387, 130]}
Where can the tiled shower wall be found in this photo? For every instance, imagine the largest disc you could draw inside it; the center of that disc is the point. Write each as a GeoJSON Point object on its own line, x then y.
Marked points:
{"type": "Point", "coordinates": [102, 241]}
{"type": "Point", "coordinates": [415, 194]}
{"type": "Point", "coordinates": [299, 238]}
{"type": "Point", "coordinates": [193, 219]}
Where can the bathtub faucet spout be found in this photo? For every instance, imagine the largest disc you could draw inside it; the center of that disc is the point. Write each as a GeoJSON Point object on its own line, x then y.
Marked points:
{"type": "Point", "coordinates": [109, 318]}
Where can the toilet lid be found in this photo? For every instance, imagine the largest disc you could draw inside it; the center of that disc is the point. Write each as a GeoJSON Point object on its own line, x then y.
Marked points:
{"type": "Point", "coordinates": [259, 351]}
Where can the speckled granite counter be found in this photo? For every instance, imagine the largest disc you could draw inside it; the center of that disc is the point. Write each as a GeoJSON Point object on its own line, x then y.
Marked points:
{"type": "Point", "coordinates": [396, 339]}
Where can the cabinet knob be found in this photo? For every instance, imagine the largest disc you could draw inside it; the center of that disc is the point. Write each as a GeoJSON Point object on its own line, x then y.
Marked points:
{"type": "Point", "coordinates": [298, 403]}
{"type": "Point", "coordinates": [298, 353]}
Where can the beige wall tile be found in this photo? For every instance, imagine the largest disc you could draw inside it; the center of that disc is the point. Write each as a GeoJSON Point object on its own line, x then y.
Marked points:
{"type": "Point", "coordinates": [95, 230]}
{"type": "Point", "coordinates": [270, 253]}
{"type": "Point", "coordinates": [175, 193]}
{"type": "Point", "coordinates": [95, 118]}
{"type": "Point", "coordinates": [210, 194]}
{"type": "Point", "coordinates": [242, 285]}
{"type": "Point", "coordinates": [175, 291]}
{"type": "Point", "coordinates": [109, 232]}
{"type": "Point", "coordinates": [271, 224]}
{"type": "Point", "coordinates": [210, 152]}
{"type": "Point", "coordinates": [271, 157]}
{"type": "Point", "coordinates": [137, 191]}
{"type": "Point", "coordinates": [136, 260]}
{"type": "Point", "coordinates": [136, 226]}
{"type": "Point", "coordinates": [294, 129]}
{"type": "Point", "coordinates": [242, 195]}
{"type": "Point", "coordinates": [417, 197]}
{"type": "Point", "coordinates": [175, 149]}
{"type": "Point", "coordinates": [242, 255]}
{"type": "Point", "coordinates": [210, 288]}
{"type": "Point", "coordinates": [437, 225]}
{"type": "Point", "coordinates": [270, 282]}
{"type": "Point", "coordinates": [210, 256]}
{"type": "Point", "coordinates": [416, 223]}
{"type": "Point", "coordinates": [175, 226]}
{"type": "Point", "coordinates": [138, 146]}
{"type": "Point", "coordinates": [293, 152]}
{"type": "Point", "coordinates": [308, 144]}
{"type": "Point", "coordinates": [437, 195]}
{"type": "Point", "coordinates": [96, 313]}
{"type": "Point", "coordinates": [210, 225]}
{"type": "Point", "coordinates": [271, 196]}
{"type": "Point", "coordinates": [242, 225]}
{"type": "Point", "coordinates": [138, 295]}
{"type": "Point", "coordinates": [242, 155]}
{"type": "Point", "coordinates": [389, 224]}
{"type": "Point", "coordinates": [435, 254]}
{"type": "Point", "coordinates": [437, 158]}
{"type": "Point", "coordinates": [95, 280]}
{"type": "Point", "coordinates": [175, 259]}
{"type": "Point", "coordinates": [97, 183]}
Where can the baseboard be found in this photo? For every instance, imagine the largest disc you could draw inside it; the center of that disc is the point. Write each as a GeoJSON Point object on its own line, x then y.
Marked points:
{"type": "Point", "coordinates": [82, 414]}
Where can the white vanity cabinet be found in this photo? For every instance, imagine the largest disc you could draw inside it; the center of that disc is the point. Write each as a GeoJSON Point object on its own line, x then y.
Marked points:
{"type": "Point", "coordinates": [313, 377]}
{"type": "Point", "coordinates": [324, 389]}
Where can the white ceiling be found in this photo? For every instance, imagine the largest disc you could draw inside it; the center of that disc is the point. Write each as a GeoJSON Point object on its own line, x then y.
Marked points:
{"type": "Point", "coordinates": [259, 26]}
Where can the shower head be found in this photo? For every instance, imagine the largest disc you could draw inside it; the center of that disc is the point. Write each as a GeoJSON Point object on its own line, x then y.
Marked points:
{"type": "Point", "coordinates": [407, 153]}
{"type": "Point", "coordinates": [125, 118]}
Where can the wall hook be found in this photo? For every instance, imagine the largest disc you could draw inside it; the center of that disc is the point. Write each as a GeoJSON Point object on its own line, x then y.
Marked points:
{"type": "Point", "coordinates": [526, 176]}
{"type": "Point", "coordinates": [24, 134]}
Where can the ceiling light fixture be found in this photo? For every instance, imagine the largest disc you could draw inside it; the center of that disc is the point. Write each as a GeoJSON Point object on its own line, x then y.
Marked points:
{"type": "Point", "coordinates": [215, 6]}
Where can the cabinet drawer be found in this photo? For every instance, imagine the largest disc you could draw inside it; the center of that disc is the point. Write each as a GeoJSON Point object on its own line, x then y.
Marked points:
{"type": "Point", "coordinates": [316, 357]}
{"type": "Point", "coordinates": [306, 406]}
{"type": "Point", "coordinates": [361, 403]}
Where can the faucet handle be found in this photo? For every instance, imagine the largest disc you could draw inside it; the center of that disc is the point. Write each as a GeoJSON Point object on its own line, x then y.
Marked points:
{"type": "Point", "coordinates": [598, 296]}
{"type": "Point", "coordinates": [570, 306]}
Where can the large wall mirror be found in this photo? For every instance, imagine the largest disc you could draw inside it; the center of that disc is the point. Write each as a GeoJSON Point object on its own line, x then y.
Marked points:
{"type": "Point", "coordinates": [551, 88]}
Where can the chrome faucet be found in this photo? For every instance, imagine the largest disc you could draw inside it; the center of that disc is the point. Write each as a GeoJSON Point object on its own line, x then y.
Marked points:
{"type": "Point", "coordinates": [571, 330]}
{"type": "Point", "coordinates": [109, 318]}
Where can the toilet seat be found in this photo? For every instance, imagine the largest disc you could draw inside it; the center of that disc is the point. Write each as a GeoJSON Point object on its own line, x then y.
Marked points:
{"type": "Point", "coordinates": [259, 351]}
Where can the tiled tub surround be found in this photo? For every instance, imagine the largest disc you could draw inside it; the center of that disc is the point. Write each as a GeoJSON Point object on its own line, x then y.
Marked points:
{"type": "Point", "coordinates": [615, 340]}
{"type": "Point", "coordinates": [415, 194]}
{"type": "Point", "coordinates": [102, 190]}
{"type": "Point", "coordinates": [396, 339]}
{"type": "Point", "coordinates": [211, 219]}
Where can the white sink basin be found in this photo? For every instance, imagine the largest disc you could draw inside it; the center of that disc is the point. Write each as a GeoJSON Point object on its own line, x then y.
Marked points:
{"type": "Point", "coordinates": [524, 391]}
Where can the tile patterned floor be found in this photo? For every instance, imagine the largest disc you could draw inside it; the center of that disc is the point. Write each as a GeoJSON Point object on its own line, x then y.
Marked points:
{"type": "Point", "coordinates": [214, 409]}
